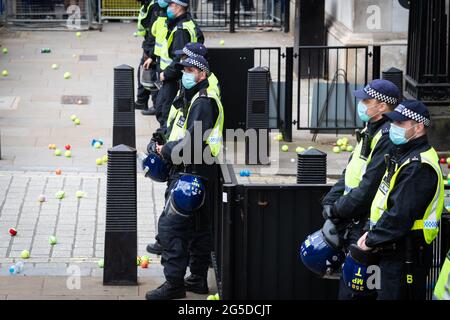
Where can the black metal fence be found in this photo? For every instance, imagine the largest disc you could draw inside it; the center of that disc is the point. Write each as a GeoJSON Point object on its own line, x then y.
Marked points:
{"type": "Point", "coordinates": [326, 77]}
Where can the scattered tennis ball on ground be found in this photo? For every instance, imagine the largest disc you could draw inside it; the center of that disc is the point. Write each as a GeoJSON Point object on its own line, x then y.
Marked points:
{"type": "Point", "coordinates": [12, 231]}
{"type": "Point", "coordinates": [105, 159]}
{"type": "Point", "coordinates": [448, 176]}
{"type": "Point", "coordinates": [101, 263]}
{"type": "Point", "coordinates": [80, 194]}
{"type": "Point", "coordinates": [25, 254]}
{"type": "Point", "coordinates": [55, 66]}
{"type": "Point", "coordinates": [73, 117]}
{"type": "Point", "coordinates": [138, 261]}
{"type": "Point", "coordinates": [343, 147]}
{"type": "Point", "coordinates": [78, 34]}
{"type": "Point", "coordinates": [337, 149]}
{"type": "Point", "coordinates": [5, 73]}
{"type": "Point", "coordinates": [211, 297]}
{"type": "Point", "coordinates": [77, 121]}
{"type": "Point", "coordinates": [68, 154]}
{"type": "Point", "coordinates": [97, 145]}
{"type": "Point", "coordinates": [5, 50]}
{"type": "Point", "coordinates": [42, 198]}
{"type": "Point", "coordinates": [60, 194]}
{"type": "Point", "coordinates": [222, 42]}
{"type": "Point", "coordinates": [349, 148]}
{"type": "Point", "coordinates": [279, 137]}
{"type": "Point", "coordinates": [285, 148]}
{"type": "Point", "coordinates": [310, 147]}
{"type": "Point", "coordinates": [216, 296]}
{"type": "Point", "coordinates": [344, 140]}
{"type": "Point", "coordinates": [448, 160]}
{"type": "Point", "coordinates": [339, 142]}
{"type": "Point", "coordinates": [67, 75]}
{"type": "Point", "coordinates": [52, 240]}
{"type": "Point", "coordinates": [99, 161]}
{"type": "Point", "coordinates": [58, 152]}
{"type": "Point", "coordinates": [299, 149]}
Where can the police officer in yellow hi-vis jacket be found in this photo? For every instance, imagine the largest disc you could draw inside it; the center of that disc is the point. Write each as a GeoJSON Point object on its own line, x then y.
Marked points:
{"type": "Point", "coordinates": [348, 202]}
{"type": "Point", "coordinates": [406, 211]}
{"type": "Point", "coordinates": [195, 133]}
{"type": "Point", "coordinates": [181, 29]}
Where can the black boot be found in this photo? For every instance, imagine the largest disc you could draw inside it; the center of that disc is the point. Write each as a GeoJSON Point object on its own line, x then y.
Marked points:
{"type": "Point", "coordinates": [140, 105]}
{"type": "Point", "coordinates": [149, 112]}
{"type": "Point", "coordinates": [155, 248]}
{"type": "Point", "coordinates": [167, 291]}
{"type": "Point", "coordinates": [196, 284]}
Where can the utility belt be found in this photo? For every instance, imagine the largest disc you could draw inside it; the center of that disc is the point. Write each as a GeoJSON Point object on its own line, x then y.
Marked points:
{"type": "Point", "coordinates": [409, 244]}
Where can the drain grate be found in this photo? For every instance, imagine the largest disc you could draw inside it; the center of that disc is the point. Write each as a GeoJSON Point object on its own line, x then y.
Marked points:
{"type": "Point", "coordinates": [80, 100]}
{"type": "Point", "coordinates": [88, 57]}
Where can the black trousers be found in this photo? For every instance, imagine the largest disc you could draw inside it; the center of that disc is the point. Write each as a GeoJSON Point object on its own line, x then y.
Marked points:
{"type": "Point", "coordinates": [164, 100]}
{"type": "Point", "coordinates": [143, 95]}
{"type": "Point", "coordinates": [401, 281]}
{"type": "Point", "coordinates": [186, 241]}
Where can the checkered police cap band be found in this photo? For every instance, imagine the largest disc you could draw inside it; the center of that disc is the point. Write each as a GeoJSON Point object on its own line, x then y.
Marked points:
{"type": "Point", "coordinates": [412, 115]}
{"type": "Point", "coordinates": [379, 96]}
{"type": "Point", "coordinates": [189, 53]}
{"type": "Point", "coordinates": [198, 64]}
{"type": "Point", "coordinates": [181, 3]}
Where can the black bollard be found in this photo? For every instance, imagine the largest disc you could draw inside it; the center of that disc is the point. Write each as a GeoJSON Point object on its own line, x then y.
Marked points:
{"type": "Point", "coordinates": [312, 167]}
{"type": "Point", "coordinates": [121, 218]}
{"type": "Point", "coordinates": [124, 131]}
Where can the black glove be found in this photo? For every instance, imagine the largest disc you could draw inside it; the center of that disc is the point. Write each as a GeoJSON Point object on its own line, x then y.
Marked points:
{"type": "Point", "coordinates": [159, 137]}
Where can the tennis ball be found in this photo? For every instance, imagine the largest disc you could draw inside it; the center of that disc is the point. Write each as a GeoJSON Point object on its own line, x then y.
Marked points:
{"type": "Point", "coordinates": [211, 297]}
{"type": "Point", "coordinates": [80, 194]}
{"type": "Point", "coordinates": [68, 154]}
{"type": "Point", "coordinates": [310, 147]}
{"type": "Point", "coordinates": [73, 117]}
{"type": "Point", "coordinates": [5, 50]}
{"type": "Point", "coordinates": [145, 258]}
{"type": "Point", "coordinates": [101, 263]}
{"type": "Point", "coordinates": [58, 152]}
{"type": "Point", "coordinates": [339, 142]}
{"type": "Point", "coordinates": [138, 261]}
{"type": "Point", "coordinates": [5, 73]}
{"type": "Point", "coordinates": [42, 198]}
{"type": "Point", "coordinates": [25, 254]}
{"type": "Point", "coordinates": [299, 149]}
{"type": "Point", "coordinates": [448, 160]}
{"type": "Point", "coordinates": [343, 147]}
{"type": "Point", "coordinates": [344, 140]}
{"type": "Point", "coordinates": [60, 194]}
{"type": "Point", "coordinates": [279, 137]}
{"type": "Point", "coordinates": [349, 148]}
{"type": "Point", "coordinates": [67, 75]}
{"type": "Point", "coordinates": [55, 66]}
{"type": "Point", "coordinates": [216, 296]}
{"type": "Point", "coordinates": [52, 240]}
{"type": "Point", "coordinates": [78, 34]}
{"type": "Point", "coordinates": [77, 121]}
{"type": "Point", "coordinates": [97, 145]}
{"type": "Point", "coordinates": [99, 161]}
{"type": "Point", "coordinates": [105, 159]}
{"type": "Point", "coordinates": [222, 42]}
{"type": "Point", "coordinates": [285, 148]}
{"type": "Point", "coordinates": [337, 150]}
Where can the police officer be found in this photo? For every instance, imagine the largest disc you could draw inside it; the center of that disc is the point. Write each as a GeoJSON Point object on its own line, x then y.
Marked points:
{"type": "Point", "coordinates": [181, 29]}
{"type": "Point", "coordinates": [191, 49]}
{"type": "Point", "coordinates": [148, 14]}
{"type": "Point", "coordinates": [407, 207]}
{"type": "Point", "coordinates": [187, 239]}
{"type": "Point", "coordinates": [350, 198]}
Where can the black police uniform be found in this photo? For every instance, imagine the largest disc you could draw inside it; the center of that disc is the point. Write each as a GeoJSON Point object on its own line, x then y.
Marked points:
{"type": "Point", "coordinates": [356, 204]}
{"type": "Point", "coordinates": [188, 240]}
{"type": "Point", "coordinates": [414, 190]}
{"type": "Point", "coordinates": [148, 46]}
{"type": "Point", "coordinates": [172, 75]}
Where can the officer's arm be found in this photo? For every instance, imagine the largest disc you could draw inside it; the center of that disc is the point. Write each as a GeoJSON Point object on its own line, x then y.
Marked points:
{"type": "Point", "coordinates": [181, 37]}
{"type": "Point", "coordinates": [359, 200]}
{"type": "Point", "coordinates": [202, 115]}
{"type": "Point", "coordinates": [413, 191]}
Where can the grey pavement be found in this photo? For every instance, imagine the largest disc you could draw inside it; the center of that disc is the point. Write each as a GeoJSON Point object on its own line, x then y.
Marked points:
{"type": "Point", "coordinates": [32, 116]}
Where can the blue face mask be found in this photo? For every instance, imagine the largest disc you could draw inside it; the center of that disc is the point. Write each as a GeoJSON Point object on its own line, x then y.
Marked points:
{"type": "Point", "coordinates": [170, 13]}
{"type": "Point", "coordinates": [188, 80]}
{"type": "Point", "coordinates": [362, 112]}
{"type": "Point", "coordinates": [398, 134]}
{"type": "Point", "coordinates": [162, 3]}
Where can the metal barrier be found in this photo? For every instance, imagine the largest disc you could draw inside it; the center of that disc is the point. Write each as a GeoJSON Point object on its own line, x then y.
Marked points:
{"type": "Point", "coordinates": [50, 14]}
{"type": "Point", "coordinates": [215, 14]}
{"type": "Point", "coordinates": [258, 230]}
